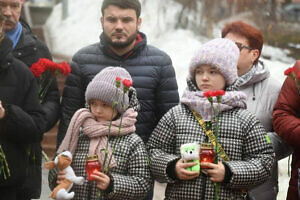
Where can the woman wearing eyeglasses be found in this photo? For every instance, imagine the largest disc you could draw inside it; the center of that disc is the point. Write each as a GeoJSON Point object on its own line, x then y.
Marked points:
{"type": "Point", "coordinates": [262, 91]}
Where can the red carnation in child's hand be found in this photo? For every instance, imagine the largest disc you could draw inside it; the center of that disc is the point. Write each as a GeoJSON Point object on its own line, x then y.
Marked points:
{"type": "Point", "coordinates": [127, 83]}
{"type": "Point", "coordinates": [219, 93]}
{"type": "Point", "coordinates": [118, 82]}
{"type": "Point", "coordinates": [288, 71]}
{"type": "Point", "coordinates": [208, 94]}
{"type": "Point", "coordinates": [214, 93]}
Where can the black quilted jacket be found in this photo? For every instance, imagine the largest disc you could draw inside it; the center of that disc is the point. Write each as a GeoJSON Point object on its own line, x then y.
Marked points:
{"type": "Point", "coordinates": [29, 50]}
{"type": "Point", "coordinates": [152, 73]}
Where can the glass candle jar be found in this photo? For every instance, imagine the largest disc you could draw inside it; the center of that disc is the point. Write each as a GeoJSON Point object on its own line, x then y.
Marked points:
{"type": "Point", "coordinates": [207, 154]}
{"type": "Point", "coordinates": [92, 164]}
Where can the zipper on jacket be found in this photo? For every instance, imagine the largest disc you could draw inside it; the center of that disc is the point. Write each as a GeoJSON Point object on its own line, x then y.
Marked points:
{"type": "Point", "coordinates": [253, 89]}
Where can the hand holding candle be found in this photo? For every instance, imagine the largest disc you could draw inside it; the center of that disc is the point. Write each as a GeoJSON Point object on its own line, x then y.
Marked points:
{"type": "Point", "coordinates": [207, 154]}
{"type": "Point", "coordinates": [92, 165]}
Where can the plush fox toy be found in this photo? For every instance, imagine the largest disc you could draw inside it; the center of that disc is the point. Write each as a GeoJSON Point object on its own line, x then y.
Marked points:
{"type": "Point", "coordinates": [62, 162]}
{"type": "Point", "coordinates": [190, 153]}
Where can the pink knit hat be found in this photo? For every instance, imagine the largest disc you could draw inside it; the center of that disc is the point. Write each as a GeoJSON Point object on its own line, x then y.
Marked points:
{"type": "Point", "coordinates": [103, 87]}
{"type": "Point", "coordinates": [221, 53]}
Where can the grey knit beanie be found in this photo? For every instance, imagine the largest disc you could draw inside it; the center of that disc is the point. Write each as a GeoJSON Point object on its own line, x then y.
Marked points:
{"type": "Point", "coordinates": [221, 53]}
{"type": "Point", "coordinates": [103, 87]}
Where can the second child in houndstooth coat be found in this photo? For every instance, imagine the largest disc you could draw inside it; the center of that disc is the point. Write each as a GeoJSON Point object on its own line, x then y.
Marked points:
{"type": "Point", "coordinates": [241, 135]}
{"type": "Point", "coordinates": [129, 177]}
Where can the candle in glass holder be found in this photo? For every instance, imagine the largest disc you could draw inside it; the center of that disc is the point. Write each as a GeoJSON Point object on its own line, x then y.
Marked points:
{"type": "Point", "coordinates": [92, 164]}
{"type": "Point", "coordinates": [207, 154]}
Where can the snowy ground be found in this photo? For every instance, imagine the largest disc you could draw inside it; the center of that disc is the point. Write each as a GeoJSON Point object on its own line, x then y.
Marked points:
{"type": "Point", "coordinates": [82, 28]}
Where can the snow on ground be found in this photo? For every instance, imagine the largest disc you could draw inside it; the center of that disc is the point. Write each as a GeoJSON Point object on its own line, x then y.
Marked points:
{"type": "Point", "coordinates": [83, 27]}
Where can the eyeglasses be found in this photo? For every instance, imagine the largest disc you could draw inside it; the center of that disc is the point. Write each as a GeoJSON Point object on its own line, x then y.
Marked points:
{"type": "Point", "coordinates": [241, 46]}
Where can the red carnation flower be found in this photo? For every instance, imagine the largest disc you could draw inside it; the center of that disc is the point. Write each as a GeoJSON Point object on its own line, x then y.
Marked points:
{"type": "Point", "coordinates": [118, 81]}
{"type": "Point", "coordinates": [214, 93]}
{"type": "Point", "coordinates": [219, 93]}
{"type": "Point", "coordinates": [46, 70]}
{"type": "Point", "coordinates": [37, 70]}
{"type": "Point", "coordinates": [208, 94]}
{"type": "Point", "coordinates": [127, 83]}
{"type": "Point", "coordinates": [288, 71]}
{"type": "Point", "coordinates": [65, 68]}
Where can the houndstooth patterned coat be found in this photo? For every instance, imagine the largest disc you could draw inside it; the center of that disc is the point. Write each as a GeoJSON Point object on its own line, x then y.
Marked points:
{"type": "Point", "coordinates": [131, 178]}
{"type": "Point", "coordinates": [241, 136]}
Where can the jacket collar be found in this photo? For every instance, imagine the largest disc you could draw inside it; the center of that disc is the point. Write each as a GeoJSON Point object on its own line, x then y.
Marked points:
{"type": "Point", "coordinates": [25, 40]}
{"type": "Point", "coordinates": [256, 74]}
{"type": "Point", "coordinates": [141, 42]}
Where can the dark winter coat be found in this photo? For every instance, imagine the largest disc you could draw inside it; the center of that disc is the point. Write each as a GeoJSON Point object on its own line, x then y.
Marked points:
{"type": "Point", "coordinates": [240, 134]}
{"type": "Point", "coordinates": [152, 73]}
{"type": "Point", "coordinates": [30, 49]}
{"type": "Point", "coordinates": [24, 122]}
{"type": "Point", "coordinates": [286, 122]}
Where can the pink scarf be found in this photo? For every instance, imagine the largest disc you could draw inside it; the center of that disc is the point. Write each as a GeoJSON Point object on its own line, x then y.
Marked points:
{"type": "Point", "coordinates": [97, 132]}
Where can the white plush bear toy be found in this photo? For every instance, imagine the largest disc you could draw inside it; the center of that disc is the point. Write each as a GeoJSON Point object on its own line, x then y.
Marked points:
{"type": "Point", "coordinates": [190, 153]}
{"type": "Point", "coordinates": [62, 162]}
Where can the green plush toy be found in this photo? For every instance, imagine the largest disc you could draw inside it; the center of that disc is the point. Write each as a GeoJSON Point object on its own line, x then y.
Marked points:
{"type": "Point", "coordinates": [190, 153]}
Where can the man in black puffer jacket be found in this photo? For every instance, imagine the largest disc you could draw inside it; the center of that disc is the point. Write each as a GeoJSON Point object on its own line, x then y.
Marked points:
{"type": "Point", "coordinates": [29, 49]}
{"type": "Point", "coordinates": [21, 119]}
{"type": "Point", "coordinates": [122, 45]}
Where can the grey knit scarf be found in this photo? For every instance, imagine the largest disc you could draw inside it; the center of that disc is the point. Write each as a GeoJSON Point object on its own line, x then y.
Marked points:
{"type": "Point", "coordinates": [198, 103]}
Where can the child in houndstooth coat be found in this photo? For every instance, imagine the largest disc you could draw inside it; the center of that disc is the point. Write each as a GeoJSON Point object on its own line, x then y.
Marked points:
{"type": "Point", "coordinates": [241, 135]}
{"type": "Point", "coordinates": [129, 177]}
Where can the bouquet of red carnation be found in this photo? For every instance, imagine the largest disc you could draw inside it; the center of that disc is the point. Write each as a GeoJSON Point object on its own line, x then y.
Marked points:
{"type": "Point", "coordinates": [46, 70]}
{"type": "Point", "coordinates": [210, 95]}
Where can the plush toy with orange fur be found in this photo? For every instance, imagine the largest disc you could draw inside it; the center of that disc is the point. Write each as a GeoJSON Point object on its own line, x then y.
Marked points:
{"type": "Point", "coordinates": [62, 162]}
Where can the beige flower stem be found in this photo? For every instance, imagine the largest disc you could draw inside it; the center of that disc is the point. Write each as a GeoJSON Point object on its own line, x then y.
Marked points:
{"type": "Point", "coordinates": [109, 129]}
{"type": "Point", "coordinates": [4, 168]}
{"type": "Point", "coordinates": [118, 136]}
{"type": "Point", "coordinates": [45, 156]}
{"type": "Point", "coordinates": [43, 91]}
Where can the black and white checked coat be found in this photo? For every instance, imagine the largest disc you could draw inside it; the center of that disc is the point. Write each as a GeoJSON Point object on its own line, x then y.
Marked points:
{"type": "Point", "coordinates": [131, 178]}
{"type": "Point", "coordinates": [241, 136]}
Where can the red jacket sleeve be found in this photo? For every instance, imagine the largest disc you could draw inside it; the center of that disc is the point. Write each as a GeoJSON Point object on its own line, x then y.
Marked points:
{"type": "Point", "coordinates": [286, 113]}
